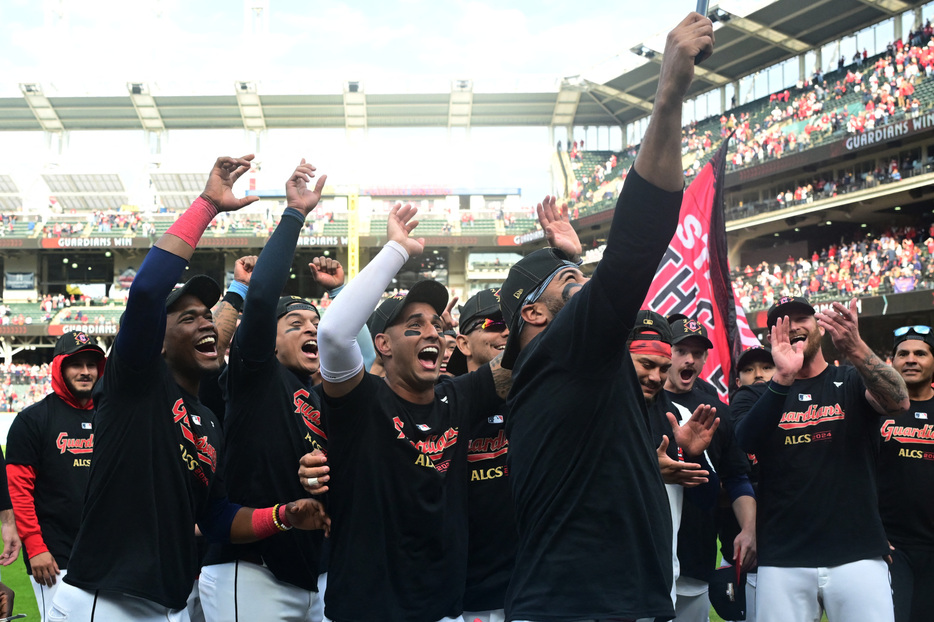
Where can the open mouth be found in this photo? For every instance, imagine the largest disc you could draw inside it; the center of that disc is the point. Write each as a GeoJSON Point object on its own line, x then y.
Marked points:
{"type": "Point", "coordinates": [798, 339]}
{"type": "Point", "coordinates": [687, 374]}
{"type": "Point", "coordinates": [207, 345]}
{"type": "Point", "coordinates": [428, 357]}
{"type": "Point", "coordinates": [310, 348]}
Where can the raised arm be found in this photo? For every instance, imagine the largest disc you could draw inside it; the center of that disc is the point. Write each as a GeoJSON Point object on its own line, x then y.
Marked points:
{"type": "Point", "coordinates": [341, 361]}
{"type": "Point", "coordinates": [257, 340]}
{"type": "Point", "coordinates": [143, 325]}
{"type": "Point", "coordinates": [558, 230]}
{"type": "Point", "coordinates": [885, 388]}
{"type": "Point", "coordinates": [227, 311]}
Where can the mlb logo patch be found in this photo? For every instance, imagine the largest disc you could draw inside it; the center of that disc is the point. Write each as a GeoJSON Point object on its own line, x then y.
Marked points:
{"type": "Point", "coordinates": [86, 425]}
{"type": "Point", "coordinates": [196, 419]}
{"type": "Point", "coordinates": [804, 397]}
{"type": "Point", "coordinates": [921, 415]}
{"type": "Point", "coordinates": [495, 419]}
{"type": "Point", "coordinates": [423, 427]}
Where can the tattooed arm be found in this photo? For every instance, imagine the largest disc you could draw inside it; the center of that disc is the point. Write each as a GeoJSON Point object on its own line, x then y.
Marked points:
{"type": "Point", "coordinates": [502, 377]}
{"type": "Point", "coordinates": [227, 311]}
{"type": "Point", "coordinates": [885, 388]}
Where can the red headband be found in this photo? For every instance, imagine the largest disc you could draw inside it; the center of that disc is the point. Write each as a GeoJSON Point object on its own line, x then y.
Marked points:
{"type": "Point", "coordinates": [650, 346]}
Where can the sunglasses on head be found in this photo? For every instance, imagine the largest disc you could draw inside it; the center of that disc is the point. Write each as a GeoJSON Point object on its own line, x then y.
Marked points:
{"type": "Point", "coordinates": [488, 325]}
{"type": "Point", "coordinates": [918, 330]}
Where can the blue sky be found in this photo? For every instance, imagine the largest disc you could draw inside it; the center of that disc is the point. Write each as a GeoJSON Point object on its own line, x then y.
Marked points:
{"type": "Point", "coordinates": [94, 47]}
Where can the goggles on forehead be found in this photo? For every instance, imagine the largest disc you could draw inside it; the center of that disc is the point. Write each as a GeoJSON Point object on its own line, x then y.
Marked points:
{"type": "Point", "coordinates": [488, 325]}
{"type": "Point", "coordinates": [918, 330]}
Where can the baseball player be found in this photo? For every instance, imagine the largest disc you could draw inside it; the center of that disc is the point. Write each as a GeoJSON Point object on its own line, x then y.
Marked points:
{"type": "Point", "coordinates": [490, 518]}
{"type": "Point", "coordinates": [815, 434]}
{"type": "Point", "coordinates": [697, 539]}
{"type": "Point", "coordinates": [273, 418]}
{"type": "Point", "coordinates": [398, 495]}
{"type": "Point", "coordinates": [582, 461]}
{"type": "Point", "coordinates": [157, 448]}
{"type": "Point", "coordinates": [49, 449]}
{"type": "Point", "coordinates": [906, 474]}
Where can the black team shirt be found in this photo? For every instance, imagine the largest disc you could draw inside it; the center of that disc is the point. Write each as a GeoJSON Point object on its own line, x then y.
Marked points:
{"type": "Point", "coordinates": [491, 518]}
{"type": "Point", "coordinates": [817, 502]}
{"type": "Point", "coordinates": [56, 440]}
{"type": "Point", "coordinates": [906, 477]}
{"type": "Point", "coordinates": [398, 499]}
{"type": "Point", "coordinates": [273, 418]}
{"type": "Point", "coordinates": [592, 513]}
{"type": "Point", "coordinates": [155, 463]}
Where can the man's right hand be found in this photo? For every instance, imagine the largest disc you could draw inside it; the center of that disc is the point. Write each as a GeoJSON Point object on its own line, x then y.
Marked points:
{"type": "Point", "coordinates": [691, 41]}
{"type": "Point", "coordinates": [400, 225]}
{"type": "Point", "coordinates": [297, 194]}
{"type": "Point", "coordinates": [327, 272]}
{"type": "Point", "coordinates": [44, 569]}
{"type": "Point", "coordinates": [219, 189]}
{"type": "Point", "coordinates": [243, 269]}
{"type": "Point", "coordinates": [789, 359]}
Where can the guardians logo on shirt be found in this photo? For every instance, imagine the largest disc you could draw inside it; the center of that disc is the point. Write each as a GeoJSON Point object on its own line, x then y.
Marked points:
{"type": "Point", "coordinates": [204, 451]}
{"type": "Point", "coordinates": [814, 415]}
{"type": "Point", "coordinates": [310, 415]}
{"type": "Point", "coordinates": [906, 434]}
{"type": "Point", "coordinates": [488, 448]}
{"type": "Point", "coordinates": [74, 445]}
{"type": "Point", "coordinates": [432, 448]}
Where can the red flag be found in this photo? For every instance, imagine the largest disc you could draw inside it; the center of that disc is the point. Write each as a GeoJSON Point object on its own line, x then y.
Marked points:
{"type": "Point", "coordinates": [693, 277]}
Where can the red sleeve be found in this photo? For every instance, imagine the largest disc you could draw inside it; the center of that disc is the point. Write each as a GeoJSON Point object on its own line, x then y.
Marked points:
{"type": "Point", "coordinates": [22, 482]}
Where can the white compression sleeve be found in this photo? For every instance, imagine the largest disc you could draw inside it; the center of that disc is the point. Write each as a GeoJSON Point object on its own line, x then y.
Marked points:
{"type": "Point", "coordinates": [340, 354]}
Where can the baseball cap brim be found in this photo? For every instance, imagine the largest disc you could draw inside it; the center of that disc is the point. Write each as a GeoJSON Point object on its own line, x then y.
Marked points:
{"type": "Point", "coordinates": [457, 363]}
{"type": "Point", "coordinates": [201, 286]}
{"type": "Point", "coordinates": [754, 354]}
{"type": "Point", "coordinates": [707, 343]}
{"type": "Point", "coordinates": [287, 304]}
{"type": "Point", "coordinates": [792, 307]}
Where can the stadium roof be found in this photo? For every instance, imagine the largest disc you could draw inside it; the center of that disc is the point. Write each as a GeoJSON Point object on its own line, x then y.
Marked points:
{"type": "Point", "coordinates": [751, 36]}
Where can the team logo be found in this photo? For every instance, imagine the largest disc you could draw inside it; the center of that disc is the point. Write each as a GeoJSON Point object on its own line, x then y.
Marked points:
{"type": "Point", "coordinates": [838, 384]}
{"type": "Point", "coordinates": [693, 326]}
{"type": "Point", "coordinates": [82, 338]}
{"type": "Point", "coordinates": [495, 293]}
{"type": "Point", "coordinates": [921, 415]}
{"type": "Point", "coordinates": [422, 427]}
{"type": "Point", "coordinates": [785, 299]}
{"type": "Point", "coordinates": [444, 399]}
{"type": "Point", "coordinates": [804, 397]}
{"type": "Point", "coordinates": [495, 419]}
{"type": "Point", "coordinates": [196, 419]}
{"type": "Point", "coordinates": [86, 425]}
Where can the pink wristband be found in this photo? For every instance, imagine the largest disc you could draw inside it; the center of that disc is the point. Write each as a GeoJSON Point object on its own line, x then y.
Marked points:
{"type": "Point", "coordinates": [282, 519]}
{"type": "Point", "coordinates": [191, 225]}
{"type": "Point", "coordinates": [263, 525]}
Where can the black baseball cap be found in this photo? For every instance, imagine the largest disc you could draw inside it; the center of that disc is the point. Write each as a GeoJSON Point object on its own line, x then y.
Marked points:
{"type": "Point", "coordinates": [201, 286]}
{"type": "Point", "coordinates": [525, 276]}
{"type": "Point", "coordinates": [689, 329]}
{"type": "Point", "coordinates": [919, 333]}
{"type": "Point", "coordinates": [73, 342]}
{"type": "Point", "coordinates": [650, 325]}
{"type": "Point", "coordinates": [431, 292]}
{"type": "Point", "coordinates": [287, 304]}
{"type": "Point", "coordinates": [727, 595]}
{"type": "Point", "coordinates": [674, 317]}
{"type": "Point", "coordinates": [755, 353]}
{"type": "Point", "coordinates": [482, 305]}
{"type": "Point", "coordinates": [786, 305]}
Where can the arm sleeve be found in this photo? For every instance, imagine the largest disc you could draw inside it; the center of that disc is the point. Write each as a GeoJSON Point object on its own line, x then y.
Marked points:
{"type": "Point", "coordinates": [337, 334]}
{"type": "Point", "coordinates": [753, 429]}
{"type": "Point", "coordinates": [363, 337]}
{"type": "Point", "coordinates": [738, 486]}
{"type": "Point", "coordinates": [217, 519]}
{"type": "Point", "coordinates": [256, 335]}
{"type": "Point", "coordinates": [22, 480]}
{"type": "Point", "coordinates": [143, 325]}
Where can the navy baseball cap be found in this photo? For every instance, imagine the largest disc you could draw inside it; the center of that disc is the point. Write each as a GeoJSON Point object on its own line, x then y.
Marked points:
{"type": "Point", "coordinates": [918, 332]}
{"type": "Point", "coordinates": [526, 278]}
{"type": "Point", "coordinates": [690, 329]}
{"type": "Point", "coordinates": [786, 305]}
{"type": "Point", "coordinates": [201, 286]}
{"type": "Point", "coordinates": [755, 353]}
{"type": "Point", "coordinates": [482, 305]}
{"type": "Point", "coordinates": [288, 304]}
{"type": "Point", "coordinates": [651, 326]}
{"type": "Point", "coordinates": [73, 342]}
{"type": "Point", "coordinates": [430, 292]}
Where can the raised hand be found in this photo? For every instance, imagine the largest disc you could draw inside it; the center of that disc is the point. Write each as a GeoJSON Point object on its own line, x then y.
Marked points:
{"type": "Point", "coordinates": [400, 225]}
{"type": "Point", "coordinates": [297, 193]}
{"type": "Point", "coordinates": [557, 227]}
{"type": "Point", "coordinates": [446, 318]}
{"type": "Point", "coordinates": [694, 435]}
{"type": "Point", "coordinates": [327, 272]}
{"type": "Point", "coordinates": [691, 40]}
{"type": "Point", "coordinates": [243, 269]}
{"type": "Point", "coordinates": [219, 188]}
{"type": "Point", "coordinates": [843, 327]}
{"type": "Point", "coordinates": [788, 359]}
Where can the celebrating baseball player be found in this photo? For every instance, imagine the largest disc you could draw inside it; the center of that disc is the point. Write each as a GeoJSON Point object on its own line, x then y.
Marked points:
{"type": "Point", "coordinates": [815, 434]}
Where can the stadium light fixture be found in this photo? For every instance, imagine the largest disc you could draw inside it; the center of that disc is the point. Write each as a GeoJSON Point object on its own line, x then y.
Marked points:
{"type": "Point", "coordinates": [355, 116]}
{"type": "Point", "coordinates": [251, 107]}
{"type": "Point", "coordinates": [145, 105]}
{"type": "Point", "coordinates": [41, 108]}
{"type": "Point", "coordinates": [460, 105]}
